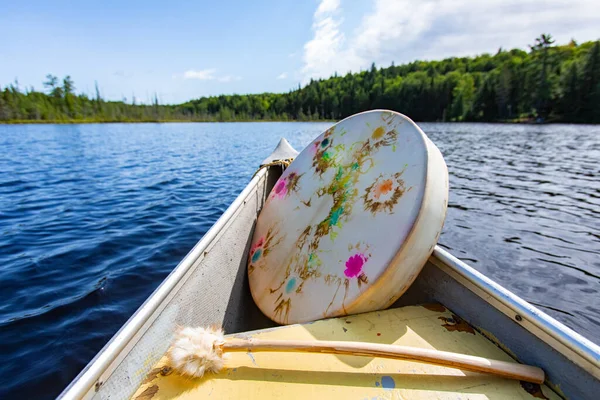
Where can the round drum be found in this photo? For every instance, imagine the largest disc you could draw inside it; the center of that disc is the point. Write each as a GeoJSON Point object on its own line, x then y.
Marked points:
{"type": "Point", "coordinates": [351, 222]}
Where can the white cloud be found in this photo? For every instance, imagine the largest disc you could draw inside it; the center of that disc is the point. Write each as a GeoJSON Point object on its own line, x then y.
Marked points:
{"type": "Point", "coordinates": [406, 30]}
{"type": "Point", "coordinates": [207, 75]}
{"type": "Point", "coordinates": [202, 74]}
{"type": "Point", "coordinates": [283, 75]}
{"type": "Point", "coordinates": [325, 54]}
{"type": "Point", "coordinates": [327, 6]}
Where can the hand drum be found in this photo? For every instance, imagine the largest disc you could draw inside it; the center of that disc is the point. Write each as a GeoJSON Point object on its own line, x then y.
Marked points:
{"type": "Point", "coordinates": [351, 222]}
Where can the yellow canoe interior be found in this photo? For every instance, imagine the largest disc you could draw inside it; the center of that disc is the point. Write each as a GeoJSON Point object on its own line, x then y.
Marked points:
{"type": "Point", "coordinates": [270, 375]}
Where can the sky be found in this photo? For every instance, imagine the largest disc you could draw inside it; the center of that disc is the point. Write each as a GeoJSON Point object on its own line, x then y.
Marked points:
{"type": "Point", "coordinates": [183, 50]}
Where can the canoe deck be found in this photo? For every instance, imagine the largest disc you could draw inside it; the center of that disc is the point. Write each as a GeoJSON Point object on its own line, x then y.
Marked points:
{"type": "Point", "coordinates": [266, 375]}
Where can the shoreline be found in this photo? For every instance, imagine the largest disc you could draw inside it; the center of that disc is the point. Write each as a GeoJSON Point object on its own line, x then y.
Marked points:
{"type": "Point", "coordinates": [168, 121]}
{"type": "Point", "coordinates": [162, 121]}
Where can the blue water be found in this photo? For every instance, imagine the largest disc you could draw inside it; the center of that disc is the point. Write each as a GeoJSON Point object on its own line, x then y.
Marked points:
{"type": "Point", "coordinates": [93, 217]}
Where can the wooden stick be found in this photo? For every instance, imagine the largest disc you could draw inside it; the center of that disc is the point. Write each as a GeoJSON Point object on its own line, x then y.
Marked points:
{"type": "Point", "coordinates": [461, 361]}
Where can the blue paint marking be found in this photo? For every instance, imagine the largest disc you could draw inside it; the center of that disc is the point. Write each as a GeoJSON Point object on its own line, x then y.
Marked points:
{"type": "Point", "coordinates": [335, 216]}
{"type": "Point", "coordinates": [377, 384]}
{"type": "Point", "coordinates": [387, 382]}
{"type": "Point", "coordinates": [290, 285]}
{"type": "Point", "coordinates": [256, 255]}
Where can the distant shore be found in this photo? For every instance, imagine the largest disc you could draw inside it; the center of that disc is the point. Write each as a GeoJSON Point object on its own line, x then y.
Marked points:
{"type": "Point", "coordinates": [527, 121]}
{"type": "Point", "coordinates": [547, 84]}
{"type": "Point", "coordinates": [145, 121]}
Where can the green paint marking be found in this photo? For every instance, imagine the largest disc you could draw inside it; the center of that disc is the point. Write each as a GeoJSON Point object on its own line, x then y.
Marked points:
{"type": "Point", "coordinates": [335, 216]}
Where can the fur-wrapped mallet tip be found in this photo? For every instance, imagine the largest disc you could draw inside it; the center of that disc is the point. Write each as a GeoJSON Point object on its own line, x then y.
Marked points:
{"type": "Point", "coordinates": [196, 351]}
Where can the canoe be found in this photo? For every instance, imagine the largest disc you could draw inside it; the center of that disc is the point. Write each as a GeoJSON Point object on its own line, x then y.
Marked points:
{"type": "Point", "coordinates": [450, 306]}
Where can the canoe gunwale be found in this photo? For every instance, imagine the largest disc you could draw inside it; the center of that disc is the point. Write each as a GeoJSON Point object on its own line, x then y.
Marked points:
{"type": "Point", "coordinates": [566, 341]}
{"type": "Point", "coordinates": [105, 362]}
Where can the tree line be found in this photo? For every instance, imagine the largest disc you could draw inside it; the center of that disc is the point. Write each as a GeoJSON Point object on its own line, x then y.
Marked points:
{"type": "Point", "coordinates": [547, 83]}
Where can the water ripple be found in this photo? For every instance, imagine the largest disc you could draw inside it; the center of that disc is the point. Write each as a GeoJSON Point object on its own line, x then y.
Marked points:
{"type": "Point", "coordinates": [93, 217]}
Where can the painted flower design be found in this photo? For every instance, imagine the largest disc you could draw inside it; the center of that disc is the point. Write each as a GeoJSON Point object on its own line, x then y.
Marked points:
{"type": "Point", "coordinates": [359, 255]}
{"type": "Point", "coordinates": [280, 189]}
{"type": "Point", "coordinates": [378, 133]}
{"type": "Point", "coordinates": [354, 265]}
{"type": "Point", "coordinates": [383, 188]}
{"type": "Point", "coordinates": [256, 251]}
{"type": "Point", "coordinates": [323, 152]}
{"type": "Point", "coordinates": [384, 193]}
{"type": "Point", "coordinates": [384, 136]}
{"type": "Point", "coordinates": [286, 185]}
{"type": "Point", "coordinates": [261, 249]}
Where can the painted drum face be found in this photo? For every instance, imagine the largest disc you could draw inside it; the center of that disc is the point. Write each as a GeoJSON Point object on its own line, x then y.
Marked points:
{"type": "Point", "coordinates": [351, 222]}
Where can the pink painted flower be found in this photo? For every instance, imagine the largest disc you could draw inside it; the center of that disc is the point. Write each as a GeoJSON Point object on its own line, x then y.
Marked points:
{"type": "Point", "coordinates": [354, 265]}
{"type": "Point", "coordinates": [258, 244]}
{"type": "Point", "coordinates": [280, 188]}
{"type": "Point", "coordinates": [256, 250]}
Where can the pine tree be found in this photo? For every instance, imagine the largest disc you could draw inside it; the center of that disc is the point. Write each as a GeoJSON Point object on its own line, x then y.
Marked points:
{"type": "Point", "coordinates": [542, 97]}
{"type": "Point", "coordinates": [590, 86]}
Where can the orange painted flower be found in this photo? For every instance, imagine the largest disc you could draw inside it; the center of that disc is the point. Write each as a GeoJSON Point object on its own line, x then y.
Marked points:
{"type": "Point", "coordinates": [378, 133]}
{"type": "Point", "coordinates": [383, 188]}
{"type": "Point", "coordinates": [384, 193]}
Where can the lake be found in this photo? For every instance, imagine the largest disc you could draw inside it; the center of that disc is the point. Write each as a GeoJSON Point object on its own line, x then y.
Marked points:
{"type": "Point", "coordinates": [94, 217]}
